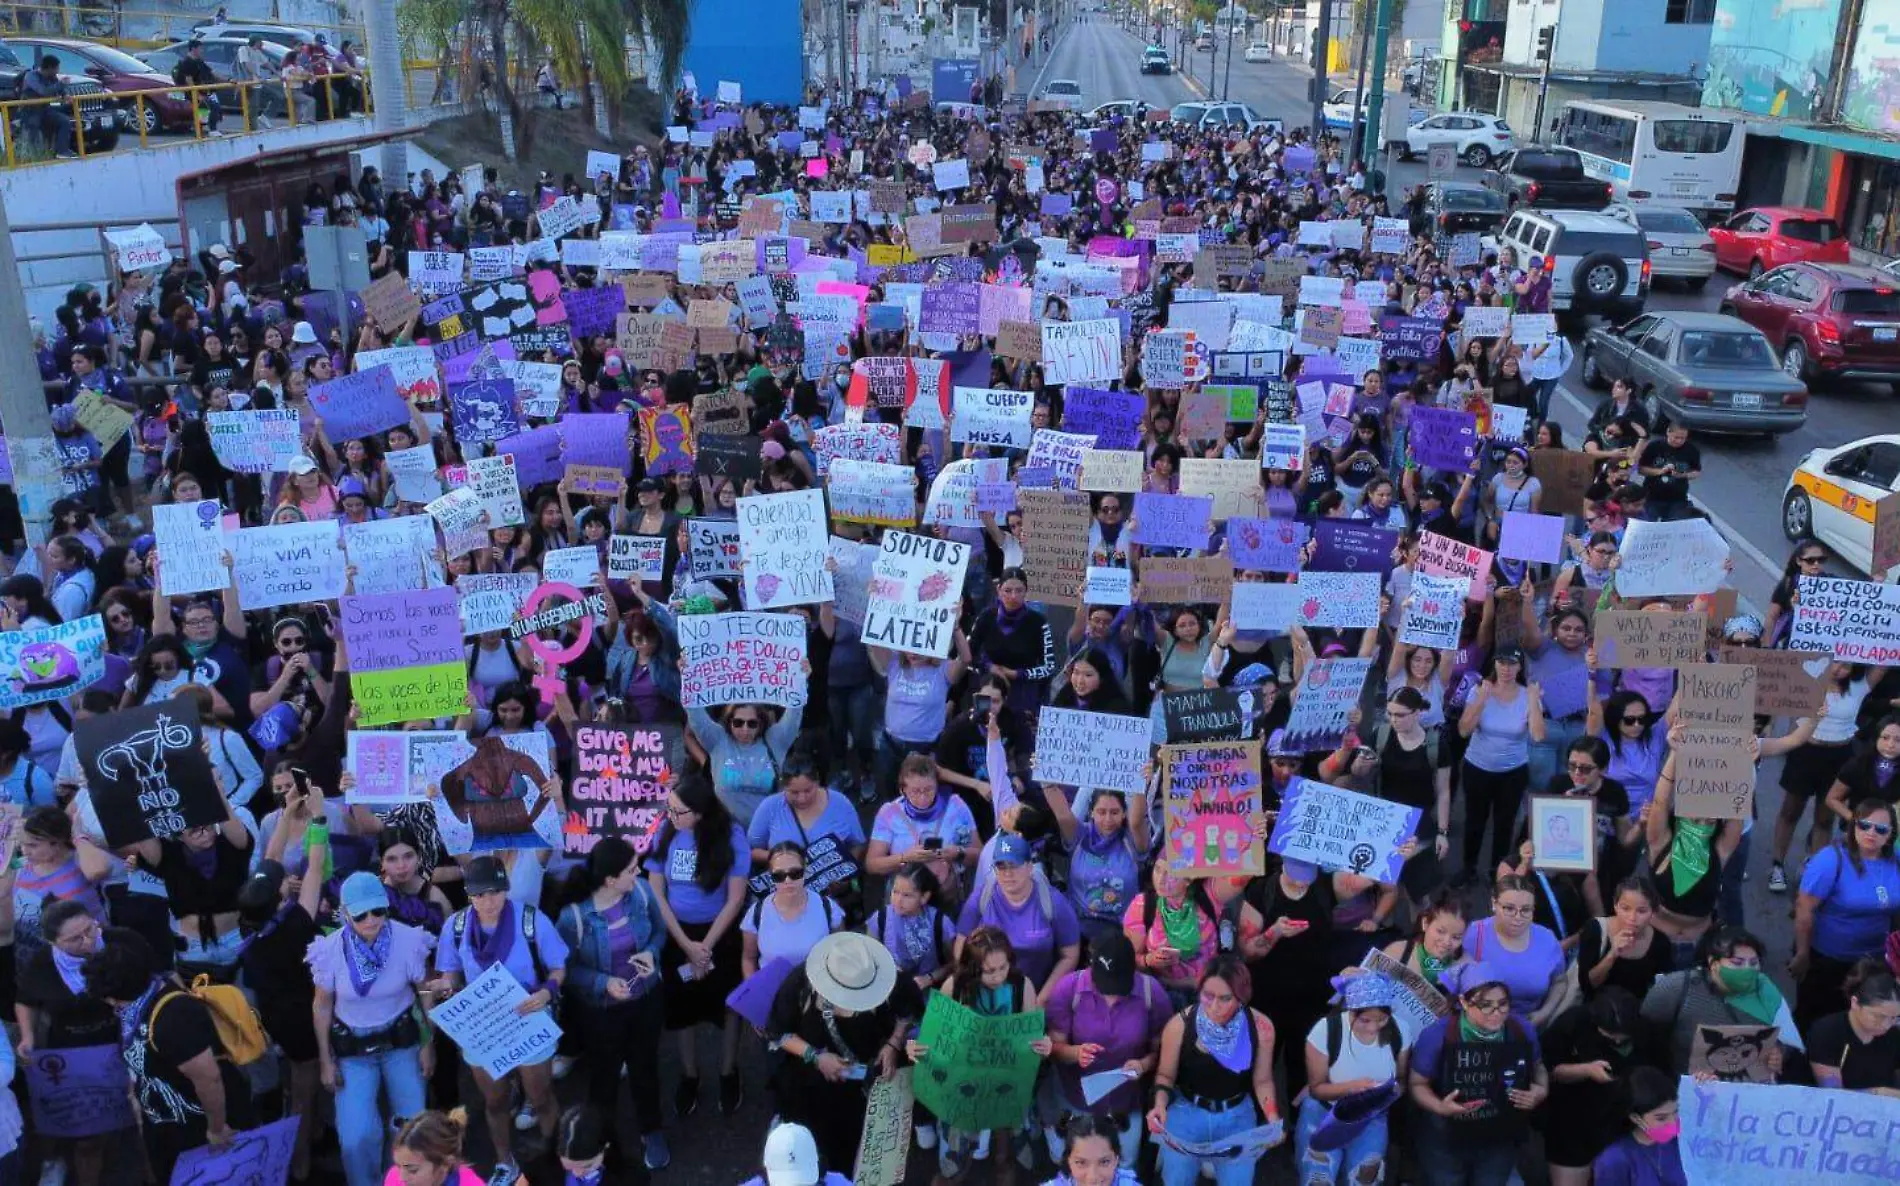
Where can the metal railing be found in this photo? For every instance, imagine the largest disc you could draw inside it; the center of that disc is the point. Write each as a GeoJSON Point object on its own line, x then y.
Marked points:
{"type": "Point", "coordinates": [108, 25]}
{"type": "Point", "coordinates": [257, 104]}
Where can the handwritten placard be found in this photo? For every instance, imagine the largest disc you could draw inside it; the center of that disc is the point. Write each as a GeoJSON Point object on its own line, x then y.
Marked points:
{"type": "Point", "coordinates": [1211, 798]}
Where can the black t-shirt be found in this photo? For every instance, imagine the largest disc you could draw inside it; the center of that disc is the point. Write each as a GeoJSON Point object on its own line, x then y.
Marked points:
{"type": "Point", "coordinates": [175, 1029]}
{"type": "Point", "coordinates": [71, 1019]}
{"type": "Point", "coordinates": [1832, 1043]}
{"type": "Point", "coordinates": [1658, 453]}
{"type": "Point", "coordinates": [207, 374]}
{"type": "Point", "coordinates": [1860, 776]}
{"type": "Point", "coordinates": [275, 970]}
{"type": "Point", "coordinates": [1635, 975]}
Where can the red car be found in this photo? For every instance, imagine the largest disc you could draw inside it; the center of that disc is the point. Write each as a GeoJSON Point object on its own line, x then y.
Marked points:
{"type": "Point", "coordinates": [1830, 321]}
{"type": "Point", "coordinates": [116, 71]}
{"type": "Point", "coordinates": [1768, 236]}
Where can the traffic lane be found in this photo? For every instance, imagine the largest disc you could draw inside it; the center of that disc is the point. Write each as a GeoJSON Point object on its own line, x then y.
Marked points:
{"type": "Point", "coordinates": [1106, 61]}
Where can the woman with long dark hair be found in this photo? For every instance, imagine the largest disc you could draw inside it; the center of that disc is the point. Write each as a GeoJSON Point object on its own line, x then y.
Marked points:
{"type": "Point", "coordinates": [697, 869]}
{"type": "Point", "coordinates": [1502, 718]}
{"type": "Point", "coordinates": [1015, 641]}
{"type": "Point", "coordinates": [1215, 1076]}
{"type": "Point", "coordinates": [1858, 1049]}
{"type": "Point", "coordinates": [1849, 902]}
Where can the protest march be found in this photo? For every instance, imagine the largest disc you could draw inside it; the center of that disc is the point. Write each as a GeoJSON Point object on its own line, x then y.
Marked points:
{"type": "Point", "coordinates": [933, 646]}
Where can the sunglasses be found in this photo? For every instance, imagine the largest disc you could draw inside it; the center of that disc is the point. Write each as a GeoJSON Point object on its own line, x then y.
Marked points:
{"type": "Point", "coordinates": [1809, 559]}
{"type": "Point", "coordinates": [745, 724]}
{"type": "Point", "coordinates": [784, 875]}
{"type": "Point", "coordinates": [1580, 768]}
{"type": "Point", "coordinates": [377, 912]}
{"type": "Point", "coordinates": [1867, 825]}
{"type": "Point", "coordinates": [1640, 719]}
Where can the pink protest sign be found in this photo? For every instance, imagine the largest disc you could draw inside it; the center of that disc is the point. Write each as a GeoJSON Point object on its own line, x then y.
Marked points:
{"type": "Point", "coordinates": [1213, 798]}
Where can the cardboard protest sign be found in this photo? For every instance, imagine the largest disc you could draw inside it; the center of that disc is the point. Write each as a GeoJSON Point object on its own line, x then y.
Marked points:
{"type": "Point", "coordinates": [619, 788]}
{"type": "Point", "coordinates": [1341, 829]}
{"type": "Point", "coordinates": [714, 548]}
{"type": "Point", "coordinates": [875, 492]}
{"type": "Point", "coordinates": [1263, 605]}
{"type": "Point", "coordinates": [481, 1019]}
{"type": "Point", "coordinates": [1112, 417]}
{"type": "Point", "coordinates": [1715, 776]}
{"type": "Point", "coordinates": [391, 303]}
{"type": "Point", "coordinates": [489, 601]}
{"type": "Point", "coordinates": [1563, 831]}
{"type": "Point", "coordinates": [1650, 638]}
{"type": "Point", "coordinates": [1733, 1053]}
{"type": "Point", "coordinates": [1055, 539]}
{"type": "Point", "coordinates": [1757, 1134]}
{"type": "Point", "coordinates": [1195, 580]}
{"type": "Point", "coordinates": [992, 416]}
{"type": "Point", "coordinates": [359, 405]}
{"type": "Point", "coordinates": [1081, 352]}
{"type": "Point", "coordinates": [1434, 611]}
{"type": "Point", "coordinates": [1347, 545]}
{"type": "Point", "coordinates": [1417, 1004]}
{"type": "Point", "coordinates": [666, 440]}
{"type": "Point", "coordinates": [1566, 476]}
{"type": "Point", "coordinates": [1886, 548]}
{"type": "Point", "coordinates": [1443, 438]}
{"type": "Point", "coordinates": [1537, 538]}
{"type": "Point", "coordinates": [1327, 694]}
{"type": "Point", "coordinates": [380, 761]}
{"type": "Point", "coordinates": [979, 1072]}
{"type": "Point", "coordinates": [1716, 697]}
{"type": "Point", "coordinates": [1854, 621]}
{"type": "Point", "coordinates": [885, 1142]}
{"type": "Point", "coordinates": [256, 440]}
{"type": "Point", "coordinates": [255, 1157]}
{"type": "Point", "coordinates": [78, 1091]}
{"type": "Point", "coordinates": [1787, 683]}
{"type": "Point", "coordinates": [1112, 470]}
{"type": "Point", "coordinates": [1092, 749]}
{"type": "Point", "coordinates": [1660, 559]}
{"type": "Point", "coordinates": [1266, 545]}
{"type": "Point", "coordinates": [1211, 797]}
{"type": "Point", "coordinates": [1209, 714]}
{"type": "Point", "coordinates": [782, 539]}
{"type": "Point", "coordinates": [393, 555]}
{"type": "Point", "coordinates": [406, 654]}
{"type": "Point", "coordinates": [637, 558]}
{"type": "Point", "coordinates": [1343, 599]}
{"type": "Point", "coordinates": [148, 774]}
{"type": "Point", "coordinates": [743, 657]}
{"type": "Point", "coordinates": [42, 664]}
{"type": "Point", "coordinates": [915, 594]}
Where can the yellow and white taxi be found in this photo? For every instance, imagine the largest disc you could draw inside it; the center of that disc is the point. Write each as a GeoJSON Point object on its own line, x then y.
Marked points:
{"type": "Point", "coordinates": [1832, 492]}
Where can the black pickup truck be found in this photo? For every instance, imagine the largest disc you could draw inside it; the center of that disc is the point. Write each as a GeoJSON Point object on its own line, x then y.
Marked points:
{"type": "Point", "coordinates": [1548, 177]}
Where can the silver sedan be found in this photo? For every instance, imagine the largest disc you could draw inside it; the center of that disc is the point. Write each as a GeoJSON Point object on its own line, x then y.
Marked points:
{"type": "Point", "coordinates": [1705, 370]}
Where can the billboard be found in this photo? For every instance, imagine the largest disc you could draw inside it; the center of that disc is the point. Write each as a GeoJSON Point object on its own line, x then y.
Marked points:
{"type": "Point", "coordinates": [759, 46]}
{"type": "Point", "coordinates": [1872, 101]}
{"type": "Point", "coordinates": [951, 79]}
{"type": "Point", "coordinates": [1771, 57]}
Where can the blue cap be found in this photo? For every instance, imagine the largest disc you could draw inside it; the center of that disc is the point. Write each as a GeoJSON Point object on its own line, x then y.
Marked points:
{"type": "Point", "coordinates": [1011, 849]}
{"type": "Point", "coordinates": [275, 728]}
{"type": "Point", "coordinates": [362, 893]}
{"type": "Point", "coordinates": [1298, 870]}
{"type": "Point", "coordinates": [1252, 675]}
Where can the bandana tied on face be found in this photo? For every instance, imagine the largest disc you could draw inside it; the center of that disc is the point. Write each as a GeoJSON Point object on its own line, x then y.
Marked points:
{"type": "Point", "coordinates": [1227, 1043]}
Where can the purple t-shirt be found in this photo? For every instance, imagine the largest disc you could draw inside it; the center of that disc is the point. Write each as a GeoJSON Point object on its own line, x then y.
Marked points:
{"type": "Point", "coordinates": [452, 956]}
{"type": "Point", "coordinates": [1124, 1029]}
{"type": "Point", "coordinates": [680, 865]}
{"type": "Point", "coordinates": [1036, 934]}
{"type": "Point", "coordinates": [390, 994]}
{"type": "Point", "coordinates": [1526, 973]}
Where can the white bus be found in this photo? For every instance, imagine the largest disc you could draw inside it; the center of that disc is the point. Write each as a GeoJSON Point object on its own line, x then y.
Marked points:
{"type": "Point", "coordinates": [1657, 152]}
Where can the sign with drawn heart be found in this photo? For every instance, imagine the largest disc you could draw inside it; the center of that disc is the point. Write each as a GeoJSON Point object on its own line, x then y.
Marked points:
{"type": "Point", "coordinates": [977, 1072]}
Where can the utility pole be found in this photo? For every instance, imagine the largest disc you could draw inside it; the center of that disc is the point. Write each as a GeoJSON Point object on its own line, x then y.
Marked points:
{"type": "Point", "coordinates": [1545, 37]}
{"type": "Point", "coordinates": [386, 85]}
{"type": "Point", "coordinates": [23, 412]}
{"type": "Point", "coordinates": [1321, 36]}
{"type": "Point", "coordinates": [1359, 85]}
{"type": "Point", "coordinates": [1375, 108]}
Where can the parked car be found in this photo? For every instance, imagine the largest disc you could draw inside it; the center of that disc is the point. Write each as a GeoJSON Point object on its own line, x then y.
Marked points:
{"type": "Point", "coordinates": [1338, 110]}
{"type": "Point", "coordinates": [1679, 245]}
{"type": "Point", "coordinates": [221, 56]}
{"type": "Point", "coordinates": [1066, 92]}
{"type": "Point", "coordinates": [1831, 494]}
{"type": "Point", "coordinates": [1705, 370]}
{"type": "Point", "coordinates": [101, 118]}
{"type": "Point", "coordinates": [117, 72]}
{"type": "Point", "coordinates": [1259, 51]}
{"type": "Point", "coordinates": [1537, 175]}
{"type": "Point", "coordinates": [1128, 109]}
{"type": "Point", "coordinates": [288, 36]}
{"type": "Point", "coordinates": [1769, 236]}
{"type": "Point", "coordinates": [1204, 43]}
{"type": "Point", "coordinates": [1597, 264]}
{"type": "Point", "coordinates": [1155, 60]}
{"type": "Point", "coordinates": [1477, 136]}
{"type": "Point", "coordinates": [1830, 321]}
{"type": "Point", "coordinates": [1454, 208]}
{"type": "Point", "coordinates": [1204, 114]}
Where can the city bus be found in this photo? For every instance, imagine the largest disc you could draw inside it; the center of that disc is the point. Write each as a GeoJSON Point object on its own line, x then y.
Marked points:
{"type": "Point", "coordinates": [1663, 153]}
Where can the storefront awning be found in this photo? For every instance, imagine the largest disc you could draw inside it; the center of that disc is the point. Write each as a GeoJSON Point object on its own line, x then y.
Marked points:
{"type": "Point", "coordinates": [1843, 140]}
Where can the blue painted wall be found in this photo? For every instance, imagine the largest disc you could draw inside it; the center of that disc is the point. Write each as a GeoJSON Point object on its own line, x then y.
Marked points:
{"type": "Point", "coordinates": [759, 44]}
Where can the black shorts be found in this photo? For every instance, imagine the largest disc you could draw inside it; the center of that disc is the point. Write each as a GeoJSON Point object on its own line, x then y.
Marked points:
{"type": "Point", "coordinates": [1811, 769]}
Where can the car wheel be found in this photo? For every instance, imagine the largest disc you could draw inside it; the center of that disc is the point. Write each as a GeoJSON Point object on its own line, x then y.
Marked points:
{"type": "Point", "coordinates": [1592, 373]}
{"type": "Point", "coordinates": [1599, 279]}
{"type": "Point", "coordinates": [1794, 360]}
{"type": "Point", "coordinates": [1754, 269]}
{"type": "Point", "coordinates": [149, 117]}
{"type": "Point", "coordinates": [1797, 516]}
{"type": "Point", "coordinates": [1405, 151]}
{"type": "Point", "coordinates": [1697, 284]}
{"type": "Point", "coordinates": [1477, 156]}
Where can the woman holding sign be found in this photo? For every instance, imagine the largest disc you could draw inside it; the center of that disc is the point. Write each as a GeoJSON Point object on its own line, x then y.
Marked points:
{"type": "Point", "coordinates": [1215, 1078]}
{"type": "Point", "coordinates": [1686, 857]}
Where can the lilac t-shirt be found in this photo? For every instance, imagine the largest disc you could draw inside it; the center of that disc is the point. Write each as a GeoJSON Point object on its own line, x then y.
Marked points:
{"type": "Point", "coordinates": [1035, 934]}
{"type": "Point", "coordinates": [1526, 973]}
{"type": "Point", "coordinates": [391, 993]}
{"type": "Point", "coordinates": [452, 956]}
{"type": "Point", "coordinates": [680, 866]}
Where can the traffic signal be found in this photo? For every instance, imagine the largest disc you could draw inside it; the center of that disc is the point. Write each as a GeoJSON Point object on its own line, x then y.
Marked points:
{"type": "Point", "coordinates": [1545, 36]}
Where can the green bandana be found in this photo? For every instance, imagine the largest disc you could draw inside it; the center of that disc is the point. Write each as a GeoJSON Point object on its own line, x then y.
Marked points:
{"type": "Point", "coordinates": [1689, 854]}
{"type": "Point", "coordinates": [1761, 1000]}
{"type": "Point", "coordinates": [1430, 965]}
{"type": "Point", "coordinates": [1182, 928]}
{"type": "Point", "coordinates": [1472, 1033]}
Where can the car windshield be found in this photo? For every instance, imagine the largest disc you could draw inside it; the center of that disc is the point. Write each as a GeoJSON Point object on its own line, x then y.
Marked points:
{"type": "Point", "coordinates": [1668, 222]}
{"type": "Point", "coordinates": [1185, 111]}
{"type": "Point", "coordinates": [1472, 199]}
{"type": "Point", "coordinates": [1810, 230]}
{"type": "Point", "coordinates": [1867, 300]}
{"type": "Point", "coordinates": [1711, 349]}
{"type": "Point", "coordinates": [116, 60]}
{"type": "Point", "coordinates": [1064, 88]}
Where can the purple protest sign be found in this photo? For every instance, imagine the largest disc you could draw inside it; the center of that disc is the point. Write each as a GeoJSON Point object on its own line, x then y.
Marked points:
{"type": "Point", "coordinates": [255, 1157]}
{"type": "Point", "coordinates": [1103, 140]}
{"type": "Point", "coordinates": [359, 405]}
{"type": "Point", "coordinates": [1113, 416]}
{"type": "Point", "coordinates": [1346, 545]}
{"type": "Point", "coordinates": [1410, 339]}
{"type": "Point", "coordinates": [484, 410]}
{"type": "Point", "coordinates": [1531, 537]}
{"type": "Point", "coordinates": [595, 438]}
{"type": "Point", "coordinates": [969, 368]}
{"type": "Point", "coordinates": [1298, 159]}
{"type": "Point", "coordinates": [951, 309]}
{"type": "Point", "coordinates": [78, 1091]}
{"type": "Point", "coordinates": [537, 455]}
{"type": "Point", "coordinates": [1443, 439]}
{"type": "Point", "coordinates": [752, 1000]}
{"type": "Point", "coordinates": [1055, 205]}
{"type": "Point", "coordinates": [592, 311]}
{"type": "Point", "coordinates": [1172, 520]}
{"type": "Point", "coordinates": [1565, 692]}
{"type": "Point", "coordinates": [408, 629]}
{"type": "Point", "coordinates": [1266, 545]}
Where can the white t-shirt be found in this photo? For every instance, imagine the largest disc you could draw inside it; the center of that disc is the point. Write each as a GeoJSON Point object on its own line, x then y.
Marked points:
{"type": "Point", "coordinates": [790, 938]}
{"type": "Point", "coordinates": [1357, 1060]}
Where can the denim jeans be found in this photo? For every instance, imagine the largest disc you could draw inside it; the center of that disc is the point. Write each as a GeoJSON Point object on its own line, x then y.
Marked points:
{"type": "Point", "coordinates": [1547, 756]}
{"type": "Point", "coordinates": [1541, 390]}
{"type": "Point", "coordinates": [1446, 1158]}
{"type": "Point", "coordinates": [1189, 1123]}
{"type": "Point", "coordinates": [1728, 906]}
{"type": "Point", "coordinates": [362, 1126]}
{"type": "Point", "coordinates": [855, 713]}
{"type": "Point", "coordinates": [1363, 1157]}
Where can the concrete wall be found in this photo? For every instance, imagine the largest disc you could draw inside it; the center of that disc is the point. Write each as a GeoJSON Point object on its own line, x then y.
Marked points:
{"type": "Point", "coordinates": [1628, 36]}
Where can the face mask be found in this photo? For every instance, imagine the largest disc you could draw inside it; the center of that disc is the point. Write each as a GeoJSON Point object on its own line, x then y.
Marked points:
{"type": "Point", "coordinates": [1663, 1133]}
{"type": "Point", "coordinates": [1739, 981]}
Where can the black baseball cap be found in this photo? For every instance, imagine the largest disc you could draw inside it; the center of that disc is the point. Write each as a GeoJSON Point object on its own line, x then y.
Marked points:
{"type": "Point", "coordinates": [484, 875]}
{"type": "Point", "coordinates": [1112, 965]}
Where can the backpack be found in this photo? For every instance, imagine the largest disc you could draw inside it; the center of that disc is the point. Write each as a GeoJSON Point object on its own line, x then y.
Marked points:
{"type": "Point", "coordinates": [239, 1030]}
{"type": "Point", "coordinates": [459, 925]}
{"type": "Point", "coordinates": [881, 922]}
{"type": "Point", "coordinates": [1389, 1037]}
{"type": "Point", "coordinates": [833, 913]}
{"type": "Point", "coordinates": [1045, 898]}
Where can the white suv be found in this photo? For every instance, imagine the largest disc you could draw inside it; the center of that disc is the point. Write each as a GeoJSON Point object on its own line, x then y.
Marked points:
{"type": "Point", "coordinates": [1206, 114]}
{"type": "Point", "coordinates": [1477, 136]}
{"type": "Point", "coordinates": [1597, 264]}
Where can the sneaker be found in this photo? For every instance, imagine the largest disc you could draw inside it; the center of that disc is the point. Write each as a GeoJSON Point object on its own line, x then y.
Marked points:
{"type": "Point", "coordinates": [982, 1152]}
{"type": "Point", "coordinates": [505, 1174]}
{"type": "Point", "coordinates": [1777, 879]}
{"type": "Point", "coordinates": [686, 1098]}
{"type": "Point", "coordinates": [731, 1094]}
{"type": "Point", "coordinates": [927, 1137]}
{"type": "Point", "coordinates": [53, 1173]}
{"type": "Point", "coordinates": [524, 1117]}
{"type": "Point", "coordinates": [658, 1154]}
{"type": "Point", "coordinates": [563, 1064]}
